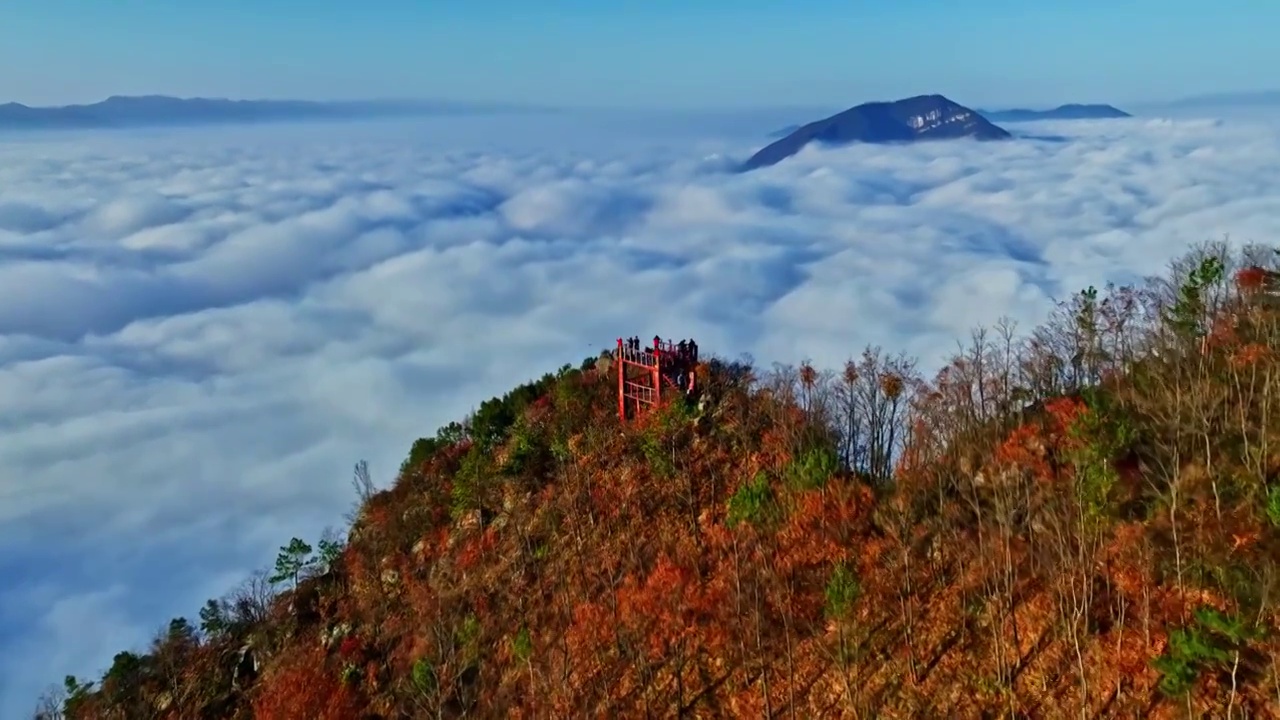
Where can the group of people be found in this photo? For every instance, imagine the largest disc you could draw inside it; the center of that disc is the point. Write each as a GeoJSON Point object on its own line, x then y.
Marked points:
{"type": "Point", "coordinates": [686, 350]}
{"type": "Point", "coordinates": [686, 359]}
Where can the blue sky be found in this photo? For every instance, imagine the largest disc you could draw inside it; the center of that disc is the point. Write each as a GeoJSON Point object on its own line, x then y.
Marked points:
{"type": "Point", "coordinates": [638, 53]}
{"type": "Point", "coordinates": [655, 53]}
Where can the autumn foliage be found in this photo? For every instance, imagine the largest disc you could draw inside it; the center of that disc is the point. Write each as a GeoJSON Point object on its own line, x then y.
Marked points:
{"type": "Point", "coordinates": [1081, 520]}
{"type": "Point", "coordinates": [306, 685]}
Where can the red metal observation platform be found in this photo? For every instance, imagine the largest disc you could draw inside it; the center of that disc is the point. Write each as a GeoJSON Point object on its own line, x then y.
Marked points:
{"type": "Point", "coordinates": [647, 374]}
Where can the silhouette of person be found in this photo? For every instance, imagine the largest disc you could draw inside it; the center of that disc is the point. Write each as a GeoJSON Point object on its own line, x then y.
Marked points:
{"type": "Point", "coordinates": [693, 351]}
{"type": "Point", "coordinates": [682, 350]}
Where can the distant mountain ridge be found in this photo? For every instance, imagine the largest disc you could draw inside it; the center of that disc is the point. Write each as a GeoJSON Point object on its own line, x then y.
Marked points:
{"type": "Point", "coordinates": [1258, 98]}
{"type": "Point", "coordinates": [120, 111]}
{"type": "Point", "coordinates": [1070, 111]}
{"type": "Point", "coordinates": [923, 117]}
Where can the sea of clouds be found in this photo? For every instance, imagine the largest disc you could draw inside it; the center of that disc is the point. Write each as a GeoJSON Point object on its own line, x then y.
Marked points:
{"type": "Point", "coordinates": [202, 330]}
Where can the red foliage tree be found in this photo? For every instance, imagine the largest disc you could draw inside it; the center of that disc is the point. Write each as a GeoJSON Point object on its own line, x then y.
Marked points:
{"type": "Point", "coordinates": [1251, 278]}
{"type": "Point", "coordinates": [1249, 355]}
{"type": "Point", "coordinates": [1223, 331]}
{"type": "Point", "coordinates": [351, 648]}
{"type": "Point", "coordinates": [477, 547]}
{"type": "Point", "coordinates": [301, 685]}
{"type": "Point", "coordinates": [1024, 449]}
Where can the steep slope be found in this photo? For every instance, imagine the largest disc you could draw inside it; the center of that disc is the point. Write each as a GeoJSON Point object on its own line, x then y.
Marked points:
{"type": "Point", "coordinates": [1084, 522]}
{"type": "Point", "coordinates": [924, 117]}
{"type": "Point", "coordinates": [1071, 111]}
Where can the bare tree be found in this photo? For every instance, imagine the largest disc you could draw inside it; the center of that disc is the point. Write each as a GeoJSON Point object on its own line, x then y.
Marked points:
{"type": "Point", "coordinates": [250, 602]}
{"type": "Point", "coordinates": [883, 394]}
{"type": "Point", "coordinates": [851, 418]}
{"type": "Point", "coordinates": [50, 704]}
{"type": "Point", "coordinates": [362, 482]}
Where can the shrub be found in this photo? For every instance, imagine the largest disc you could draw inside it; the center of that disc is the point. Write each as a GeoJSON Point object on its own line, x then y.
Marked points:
{"type": "Point", "coordinates": [491, 423]}
{"type": "Point", "coordinates": [1273, 505]}
{"type": "Point", "coordinates": [522, 645]}
{"type": "Point", "coordinates": [754, 503]}
{"type": "Point", "coordinates": [842, 592]}
{"type": "Point", "coordinates": [813, 467]}
{"type": "Point", "coordinates": [423, 676]}
{"type": "Point", "coordinates": [528, 454]}
{"type": "Point", "coordinates": [662, 435]}
{"type": "Point", "coordinates": [1099, 434]}
{"type": "Point", "coordinates": [1209, 641]}
{"type": "Point", "coordinates": [122, 683]}
{"type": "Point", "coordinates": [79, 696]}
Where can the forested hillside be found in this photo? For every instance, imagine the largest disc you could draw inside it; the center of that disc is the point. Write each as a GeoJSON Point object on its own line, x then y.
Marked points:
{"type": "Point", "coordinates": [1082, 520]}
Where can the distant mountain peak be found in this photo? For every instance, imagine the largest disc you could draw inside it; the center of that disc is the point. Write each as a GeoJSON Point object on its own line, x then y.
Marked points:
{"type": "Point", "coordinates": [1070, 111]}
{"type": "Point", "coordinates": [922, 117]}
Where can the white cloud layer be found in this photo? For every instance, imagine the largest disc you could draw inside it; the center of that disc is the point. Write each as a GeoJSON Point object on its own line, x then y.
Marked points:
{"type": "Point", "coordinates": [201, 331]}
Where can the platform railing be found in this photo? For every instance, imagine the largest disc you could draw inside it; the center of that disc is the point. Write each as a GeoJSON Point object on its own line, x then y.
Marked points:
{"type": "Point", "coordinates": [645, 354]}
{"type": "Point", "coordinates": [639, 391]}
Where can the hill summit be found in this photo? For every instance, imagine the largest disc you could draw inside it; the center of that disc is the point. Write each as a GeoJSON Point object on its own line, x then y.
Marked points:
{"type": "Point", "coordinates": [924, 117]}
{"type": "Point", "coordinates": [1082, 521]}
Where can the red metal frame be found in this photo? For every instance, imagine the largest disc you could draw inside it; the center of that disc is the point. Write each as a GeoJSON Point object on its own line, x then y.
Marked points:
{"type": "Point", "coordinates": [642, 372]}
